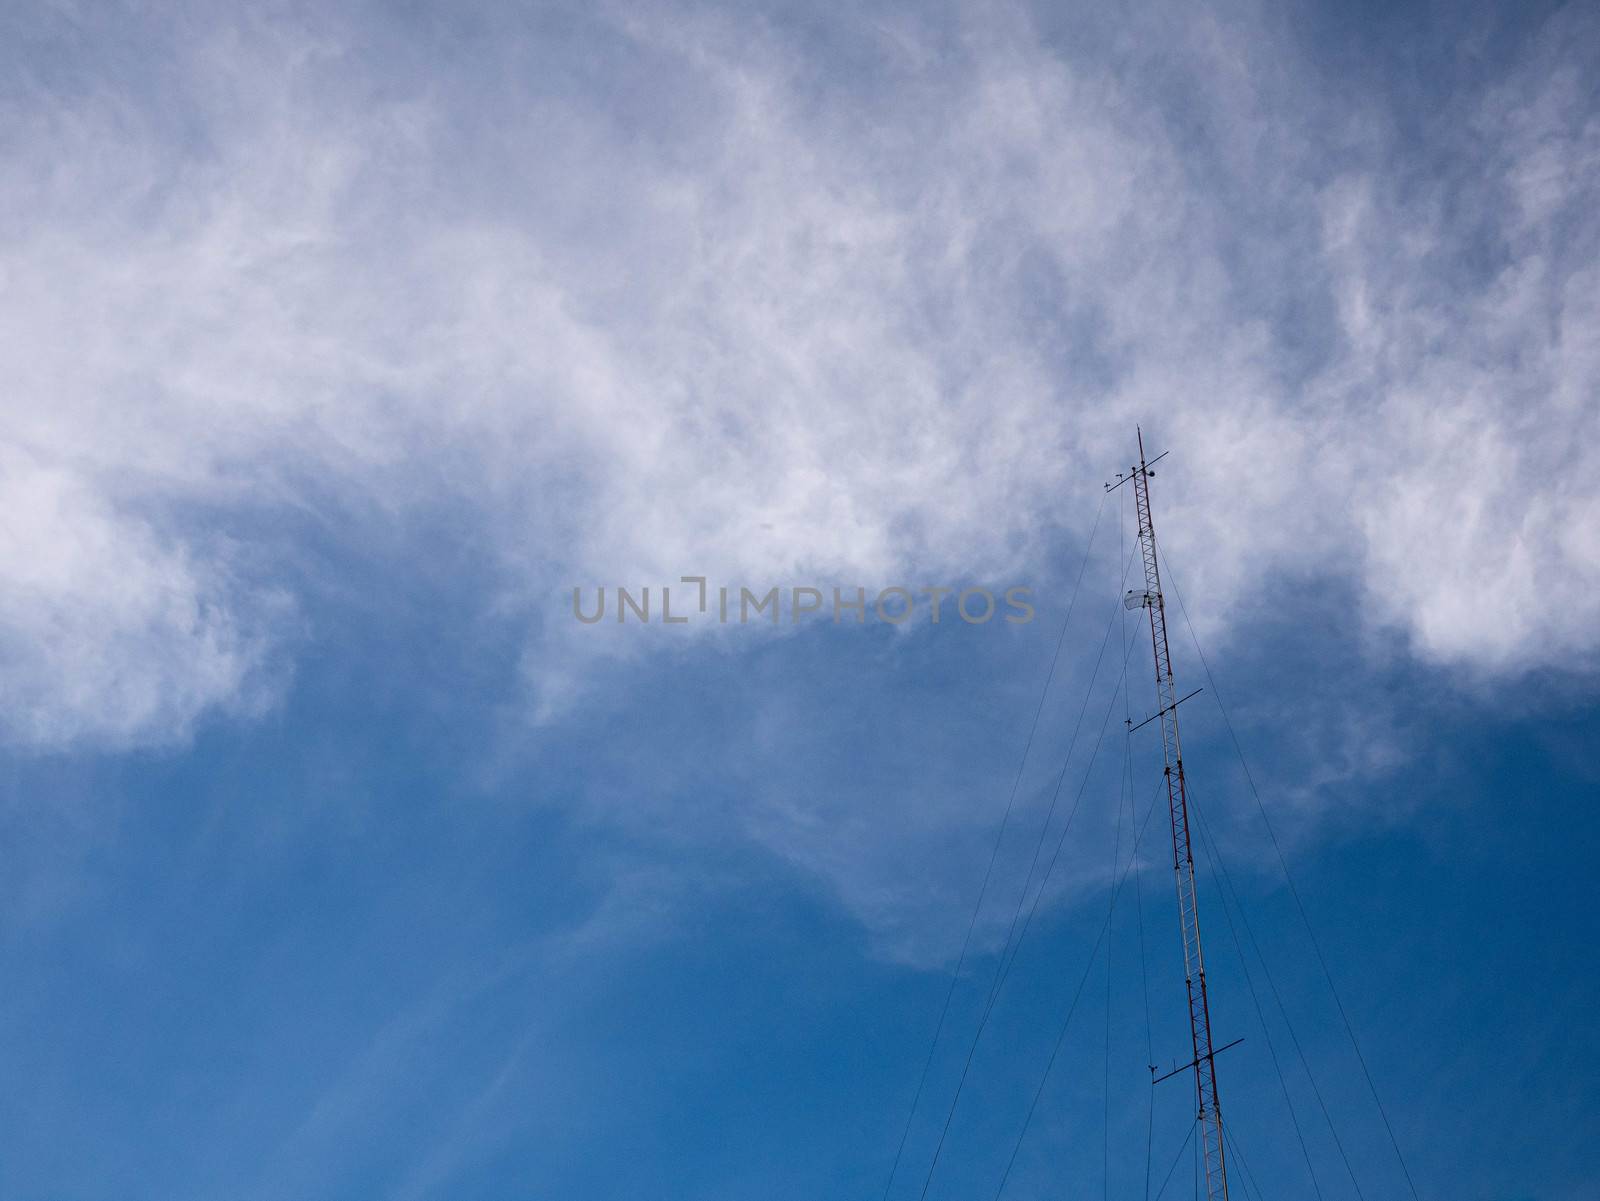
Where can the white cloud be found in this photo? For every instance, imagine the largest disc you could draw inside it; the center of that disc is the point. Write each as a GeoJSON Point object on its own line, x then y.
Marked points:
{"type": "Point", "coordinates": [769, 321]}
{"type": "Point", "coordinates": [110, 633]}
{"type": "Point", "coordinates": [1473, 395]}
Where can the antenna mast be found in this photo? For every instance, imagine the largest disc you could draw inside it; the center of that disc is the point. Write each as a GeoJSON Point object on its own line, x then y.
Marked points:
{"type": "Point", "coordinates": [1204, 1065]}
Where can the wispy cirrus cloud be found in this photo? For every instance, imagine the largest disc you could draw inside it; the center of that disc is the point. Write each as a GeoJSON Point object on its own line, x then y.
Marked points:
{"type": "Point", "coordinates": [111, 632]}
{"type": "Point", "coordinates": [758, 314]}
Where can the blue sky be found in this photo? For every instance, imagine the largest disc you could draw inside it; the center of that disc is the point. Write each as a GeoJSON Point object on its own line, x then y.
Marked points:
{"type": "Point", "coordinates": [341, 342]}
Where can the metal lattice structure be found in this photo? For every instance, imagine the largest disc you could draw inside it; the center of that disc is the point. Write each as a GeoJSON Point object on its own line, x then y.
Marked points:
{"type": "Point", "coordinates": [1204, 1065]}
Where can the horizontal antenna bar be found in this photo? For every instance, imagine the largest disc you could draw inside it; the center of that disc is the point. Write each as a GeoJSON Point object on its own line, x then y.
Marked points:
{"type": "Point", "coordinates": [1159, 712]}
{"type": "Point", "coordinates": [1135, 471]}
{"type": "Point", "coordinates": [1158, 1079]}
